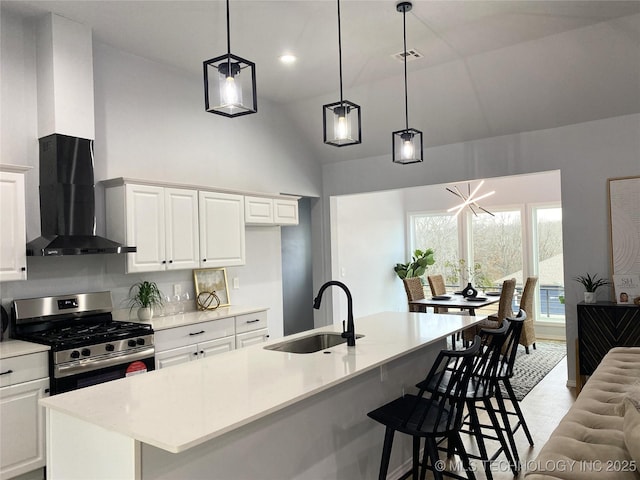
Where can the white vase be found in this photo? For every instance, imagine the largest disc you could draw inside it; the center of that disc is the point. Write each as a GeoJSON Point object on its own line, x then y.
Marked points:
{"type": "Point", "coordinates": [589, 297]}
{"type": "Point", "coordinates": [145, 313]}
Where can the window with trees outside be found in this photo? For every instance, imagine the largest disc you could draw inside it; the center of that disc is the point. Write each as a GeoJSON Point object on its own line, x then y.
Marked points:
{"type": "Point", "coordinates": [514, 242]}
{"type": "Point", "coordinates": [439, 232]}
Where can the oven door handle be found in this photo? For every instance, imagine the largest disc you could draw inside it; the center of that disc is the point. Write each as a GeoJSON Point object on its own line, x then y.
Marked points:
{"type": "Point", "coordinates": [82, 366]}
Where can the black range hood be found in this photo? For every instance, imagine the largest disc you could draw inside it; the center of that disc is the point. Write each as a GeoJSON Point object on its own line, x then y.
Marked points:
{"type": "Point", "coordinates": [67, 201]}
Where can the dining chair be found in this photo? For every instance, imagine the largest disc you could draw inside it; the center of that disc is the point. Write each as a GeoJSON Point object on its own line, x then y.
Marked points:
{"type": "Point", "coordinates": [434, 417]}
{"type": "Point", "coordinates": [528, 336]}
{"type": "Point", "coordinates": [415, 291]}
{"type": "Point", "coordinates": [437, 286]}
{"type": "Point", "coordinates": [505, 310]}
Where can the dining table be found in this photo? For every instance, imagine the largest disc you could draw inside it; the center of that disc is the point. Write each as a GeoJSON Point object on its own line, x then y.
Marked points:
{"type": "Point", "coordinates": [457, 300]}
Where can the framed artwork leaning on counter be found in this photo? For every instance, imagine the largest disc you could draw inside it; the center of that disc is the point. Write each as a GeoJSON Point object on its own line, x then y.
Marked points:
{"type": "Point", "coordinates": [212, 290]}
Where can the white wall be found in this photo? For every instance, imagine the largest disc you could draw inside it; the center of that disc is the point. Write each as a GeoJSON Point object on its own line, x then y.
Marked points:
{"type": "Point", "coordinates": [586, 155]}
{"type": "Point", "coordinates": [151, 124]}
{"type": "Point", "coordinates": [368, 232]}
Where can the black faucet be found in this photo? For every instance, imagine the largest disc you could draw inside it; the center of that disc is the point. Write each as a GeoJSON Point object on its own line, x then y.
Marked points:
{"type": "Point", "coordinates": [350, 332]}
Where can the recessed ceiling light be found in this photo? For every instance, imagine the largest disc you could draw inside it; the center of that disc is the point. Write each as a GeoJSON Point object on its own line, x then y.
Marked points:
{"type": "Point", "coordinates": [288, 58]}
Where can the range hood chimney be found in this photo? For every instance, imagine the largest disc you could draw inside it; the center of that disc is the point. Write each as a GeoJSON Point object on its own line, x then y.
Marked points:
{"type": "Point", "coordinates": [66, 130]}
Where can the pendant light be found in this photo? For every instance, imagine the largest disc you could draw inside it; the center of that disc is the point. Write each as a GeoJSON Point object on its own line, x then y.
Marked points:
{"type": "Point", "coordinates": [341, 120]}
{"type": "Point", "coordinates": [230, 83]}
{"type": "Point", "coordinates": [407, 143]}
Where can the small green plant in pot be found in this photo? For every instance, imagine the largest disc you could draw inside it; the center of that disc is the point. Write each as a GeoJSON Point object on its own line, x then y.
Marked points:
{"type": "Point", "coordinates": [145, 295]}
{"type": "Point", "coordinates": [591, 285]}
{"type": "Point", "coordinates": [417, 266]}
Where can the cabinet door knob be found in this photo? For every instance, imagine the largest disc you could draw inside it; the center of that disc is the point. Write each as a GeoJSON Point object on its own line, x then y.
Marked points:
{"type": "Point", "coordinates": [164, 261]}
{"type": "Point", "coordinates": [23, 269]}
{"type": "Point", "coordinates": [170, 261]}
{"type": "Point", "coordinates": [195, 354]}
{"type": "Point", "coordinates": [204, 259]}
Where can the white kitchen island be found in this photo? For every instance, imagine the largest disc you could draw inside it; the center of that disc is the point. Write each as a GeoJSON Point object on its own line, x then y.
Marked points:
{"type": "Point", "coordinates": [251, 413]}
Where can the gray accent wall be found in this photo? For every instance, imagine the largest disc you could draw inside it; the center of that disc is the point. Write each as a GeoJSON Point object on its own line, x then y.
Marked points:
{"type": "Point", "coordinates": [297, 286]}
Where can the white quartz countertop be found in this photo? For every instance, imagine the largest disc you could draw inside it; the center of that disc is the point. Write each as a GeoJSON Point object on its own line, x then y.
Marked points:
{"type": "Point", "coordinates": [15, 348]}
{"type": "Point", "coordinates": [187, 318]}
{"type": "Point", "coordinates": [183, 406]}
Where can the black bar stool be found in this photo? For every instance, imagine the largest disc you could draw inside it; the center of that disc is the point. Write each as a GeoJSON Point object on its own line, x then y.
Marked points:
{"type": "Point", "coordinates": [481, 390]}
{"type": "Point", "coordinates": [432, 418]}
{"type": "Point", "coordinates": [502, 379]}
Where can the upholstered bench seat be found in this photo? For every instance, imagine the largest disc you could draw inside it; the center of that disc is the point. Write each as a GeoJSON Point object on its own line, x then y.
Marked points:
{"type": "Point", "coordinates": [599, 437]}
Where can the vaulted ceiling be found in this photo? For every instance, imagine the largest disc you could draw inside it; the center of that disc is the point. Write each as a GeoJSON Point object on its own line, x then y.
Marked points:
{"type": "Point", "coordinates": [488, 68]}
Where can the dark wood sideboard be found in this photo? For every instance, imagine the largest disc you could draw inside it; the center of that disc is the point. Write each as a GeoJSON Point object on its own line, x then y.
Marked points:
{"type": "Point", "coordinates": [602, 326]}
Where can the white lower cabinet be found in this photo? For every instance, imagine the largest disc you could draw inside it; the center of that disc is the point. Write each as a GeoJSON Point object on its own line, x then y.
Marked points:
{"type": "Point", "coordinates": [191, 342]}
{"type": "Point", "coordinates": [252, 338]}
{"type": "Point", "coordinates": [22, 430]}
{"type": "Point", "coordinates": [176, 356]}
{"type": "Point", "coordinates": [199, 340]}
{"type": "Point", "coordinates": [251, 329]}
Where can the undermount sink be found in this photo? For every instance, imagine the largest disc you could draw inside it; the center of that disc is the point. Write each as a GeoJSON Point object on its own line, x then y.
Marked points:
{"type": "Point", "coordinates": [310, 343]}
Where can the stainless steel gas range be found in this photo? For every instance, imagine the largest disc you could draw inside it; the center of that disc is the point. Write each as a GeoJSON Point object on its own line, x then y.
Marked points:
{"type": "Point", "coordinates": [87, 345]}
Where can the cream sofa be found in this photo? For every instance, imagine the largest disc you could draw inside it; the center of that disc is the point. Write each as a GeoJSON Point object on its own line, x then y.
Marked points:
{"type": "Point", "coordinates": [599, 438]}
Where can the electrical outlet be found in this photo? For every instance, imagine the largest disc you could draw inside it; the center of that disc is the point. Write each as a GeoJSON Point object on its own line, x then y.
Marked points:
{"type": "Point", "coordinates": [236, 283]}
{"type": "Point", "coordinates": [177, 289]}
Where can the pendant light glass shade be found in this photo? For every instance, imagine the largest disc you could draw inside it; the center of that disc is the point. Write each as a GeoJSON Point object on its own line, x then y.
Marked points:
{"type": "Point", "coordinates": [230, 86]}
{"type": "Point", "coordinates": [406, 143]}
{"type": "Point", "coordinates": [407, 146]}
{"type": "Point", "coordinates": [230, 83]}
{"type": "Point", "coordinates": [341, 120]}
{"type": "Point", "coordinates": [341, 123]}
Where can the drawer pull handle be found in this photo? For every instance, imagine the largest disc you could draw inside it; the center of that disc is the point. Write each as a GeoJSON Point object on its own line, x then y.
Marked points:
{"type": "Point", "coordinates": [197, 333]}
{"type": "Point", "coordinates": [253, 321]}
{"type": "Point", "coordinates": [7, 372]}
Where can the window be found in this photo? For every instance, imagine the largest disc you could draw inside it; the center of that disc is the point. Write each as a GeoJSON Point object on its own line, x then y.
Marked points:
{"type": "Point", "coordinates": [548, 264]}
{"type": "Point", "coordinates": [436, 231]}
{"type": "Point", "coordinates": [497, 247]}
{"type": "Point", "coordinates": [505, 246]}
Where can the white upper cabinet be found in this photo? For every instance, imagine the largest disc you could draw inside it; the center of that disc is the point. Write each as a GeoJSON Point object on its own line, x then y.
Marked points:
{"type": "Point", "coordinates": [162, 223]}
{"type": "Point", "coordinates": [258, 211]}
{"type": "Point", "coordinates": [222, 237]}
{"type": "Point", "coordinates": [271, 211]}
{"type": "Point", "coordinates": [175, 226]}
{"type": "Point", "coordinates": [285, 212]}
{"type": "Point", "coordinates": [145, 220]}
{"type": "Point", "coordinates": [13, 257]}
{"type": "Point", "coordinates": [181, 221]}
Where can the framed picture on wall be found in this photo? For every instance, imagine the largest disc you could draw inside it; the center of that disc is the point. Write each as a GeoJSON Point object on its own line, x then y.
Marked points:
{"type": "Point", "coordinates": [210, 285]}
{"type": "Point", "coordinates": [624, 226]}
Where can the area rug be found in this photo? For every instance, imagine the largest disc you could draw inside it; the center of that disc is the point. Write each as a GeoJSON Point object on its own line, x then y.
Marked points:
{"type": "Point", "coordinates": [529, 369]}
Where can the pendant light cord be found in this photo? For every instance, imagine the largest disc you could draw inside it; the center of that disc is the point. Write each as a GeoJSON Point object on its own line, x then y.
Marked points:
{"type": "Point", "coordinates": [339, 51]}
{"type": "Point", "coordinates": [406, 97]}
{"type": "Point", "coordinates": [228, 31]}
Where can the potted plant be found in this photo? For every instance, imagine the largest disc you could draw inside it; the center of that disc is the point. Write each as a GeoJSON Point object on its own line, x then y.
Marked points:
{"type": "Point", "coordinates": [460, 273]}
{"type": "Point", "coordinates": [591, 284]}
{"type": "Point", "coordinates": [417, 266]}
{"type": "Point", "coordinates": [145, 295]}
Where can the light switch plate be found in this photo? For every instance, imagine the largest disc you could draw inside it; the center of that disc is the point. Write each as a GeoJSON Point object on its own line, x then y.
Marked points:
{"type": "Point", "coordinates": [236, 283]}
